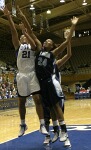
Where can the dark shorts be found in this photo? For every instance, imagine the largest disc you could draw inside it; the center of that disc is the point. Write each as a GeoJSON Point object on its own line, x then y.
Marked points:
{"type": "Point", "coordinates": [50, 91]}
{"type": "Point", "coordinates": [47, 109]}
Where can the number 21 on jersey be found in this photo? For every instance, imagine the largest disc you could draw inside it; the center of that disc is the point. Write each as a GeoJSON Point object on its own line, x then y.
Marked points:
{"type": "Point", "coordinates": [25, 54]}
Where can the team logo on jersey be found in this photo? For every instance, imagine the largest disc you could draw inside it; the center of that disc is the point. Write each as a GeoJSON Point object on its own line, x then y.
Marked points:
{"type": "Point", "coordinates": [46, 54]}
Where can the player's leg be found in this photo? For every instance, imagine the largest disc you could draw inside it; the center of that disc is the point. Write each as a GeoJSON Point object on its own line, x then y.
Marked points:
{"type": "Point", "coordinates": [55, 125]}
{"type": "Point", "coordinates": [63, 134]}
{"type": "Point", "coordinates": [40, 112]}
{"type": "Point", "coordinates": [55, 97]}
{"type": "Point", "coordinates": [35, 91]}
{"type": "Point", "coordinates": [47, 117]}
{"type": "Point", "coordinates": [61, 103]}
{"type": "Point", "coordinates": [22, 113]}
{"type": "Point", "coordinates": [22, 94]}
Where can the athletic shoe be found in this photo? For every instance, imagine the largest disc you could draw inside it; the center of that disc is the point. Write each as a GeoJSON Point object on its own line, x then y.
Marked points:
{"type": "Point", "coordinates": [43, 129]}
{"type": "Point", "coordinates": [47, 139]}
{"type": "Point", "coordinates": [56, 136]}
{"type": "Point", "coordinates": [67, 143]}
{"type": "Point", "coordinates": [63, 136]}
{"type": "Point", "coordinates": [23, 128]}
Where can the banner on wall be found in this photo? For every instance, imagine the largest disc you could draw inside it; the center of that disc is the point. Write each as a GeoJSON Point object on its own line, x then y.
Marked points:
{"type": "Point", "coordinates": [2, 4]}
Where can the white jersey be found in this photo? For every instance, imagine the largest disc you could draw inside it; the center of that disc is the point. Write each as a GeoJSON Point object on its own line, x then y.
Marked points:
{"type": "Point", "coordinates": [27, 82]}
{"type": "Point", "coordinates": [26, 59]}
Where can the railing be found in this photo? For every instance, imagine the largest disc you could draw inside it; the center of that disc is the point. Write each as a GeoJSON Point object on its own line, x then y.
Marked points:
{"type": "Point", "coordinates": [13, 103]}
{"type": "Point", "coordinates": [82, 95]}
{"type": "Point", "coordinates": [8, 103]}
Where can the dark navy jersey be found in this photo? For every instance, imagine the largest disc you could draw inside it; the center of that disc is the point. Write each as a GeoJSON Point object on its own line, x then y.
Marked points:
{"type": "Point", "coordinates": [44, 65]}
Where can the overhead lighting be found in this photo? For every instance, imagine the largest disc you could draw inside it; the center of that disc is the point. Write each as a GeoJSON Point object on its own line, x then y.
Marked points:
{"type": "Point", "coordinates": [32, 7]}
{"type": "Point", "coordinates": [48, 11]}
{"type": "Point", "coordinates": [62, 1]}
{"type": "Point", "coordinates": [84, 3]}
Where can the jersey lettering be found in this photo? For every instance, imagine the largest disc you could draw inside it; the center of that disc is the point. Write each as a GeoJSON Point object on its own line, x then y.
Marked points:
{"type": "Point", "coordinates": [42, 62]}
{"type": "Point", "coordinates": [25, 54]}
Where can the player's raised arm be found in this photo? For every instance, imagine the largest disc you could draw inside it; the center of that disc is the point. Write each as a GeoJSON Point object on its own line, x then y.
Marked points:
{"type": "Point", "coordinates": [14, 33]}
{"type": "Point", "coordinates": [60, 49]}
{"type": "Point", "coordinates": [63, 60]}
{"type": "Point", "coordinates": [28, 27]}
{"type": "Point", "coordinates": [30, 40]}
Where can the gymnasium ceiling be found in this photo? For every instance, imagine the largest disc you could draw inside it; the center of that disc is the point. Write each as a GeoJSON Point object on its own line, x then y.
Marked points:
{"type": "Point", "coordinates": [60, 16]}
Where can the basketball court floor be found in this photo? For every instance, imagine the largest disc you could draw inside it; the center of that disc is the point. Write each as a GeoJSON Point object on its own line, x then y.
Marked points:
{"type": "Point", "coordinates": [77, 116]}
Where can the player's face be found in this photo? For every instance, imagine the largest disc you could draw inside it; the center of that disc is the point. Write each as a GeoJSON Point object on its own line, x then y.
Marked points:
{"type": "Point", "coordinates": [48, 44]}
{"type": "Point", "coordinates": [23, 39]}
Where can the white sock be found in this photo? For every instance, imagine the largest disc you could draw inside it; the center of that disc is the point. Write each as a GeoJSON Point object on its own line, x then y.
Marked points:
{"type": "Point", "coordinates": [23, 121]}
{"type": "Point", "coordinates": [61, 122]}
{"type": "Point", "coordinates": [55, 123]}
{"type": "Point", "coordinates": [42, 121]}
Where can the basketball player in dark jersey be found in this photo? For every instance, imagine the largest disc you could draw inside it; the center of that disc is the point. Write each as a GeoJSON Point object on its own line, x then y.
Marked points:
{"type": "Point", "coordinates": [47, 114]}
{"type": "Point", "coordinates": [27, 82]}
{"type": "Point", "coordinates": [50, 86]}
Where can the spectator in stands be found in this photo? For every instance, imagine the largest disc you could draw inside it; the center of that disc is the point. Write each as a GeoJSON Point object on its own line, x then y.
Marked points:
{"type": "Point", "coordinates": [69, 90]}
{"type": "Point", "coordinates": [77, 89]}
{"type": "Point", "coordinates": [90, 91]}
{"type": "Point", "coordinates": [0, 78]}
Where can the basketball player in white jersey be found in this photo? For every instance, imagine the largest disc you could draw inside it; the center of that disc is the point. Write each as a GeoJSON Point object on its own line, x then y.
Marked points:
{"type": "Point", "coordinates": [27, 82]}
{"type": "Point", "coordinates": [49, 45]}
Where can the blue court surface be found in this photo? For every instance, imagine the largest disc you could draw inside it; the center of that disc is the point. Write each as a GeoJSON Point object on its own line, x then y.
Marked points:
{"type": "Point", "coordinates": [80, 137]}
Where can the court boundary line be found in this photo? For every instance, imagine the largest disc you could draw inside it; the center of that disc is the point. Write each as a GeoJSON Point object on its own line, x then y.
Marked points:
{"type": "Point", "coordinates": [38, 130]}
{"type": "Point", "coordinates": [17, 137]}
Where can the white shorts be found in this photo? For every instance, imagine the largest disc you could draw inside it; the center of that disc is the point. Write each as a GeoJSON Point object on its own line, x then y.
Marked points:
{"type": "Point", "coordinates": [57, 85]}
{"type": "Point", "coordinates": [27, 83]}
